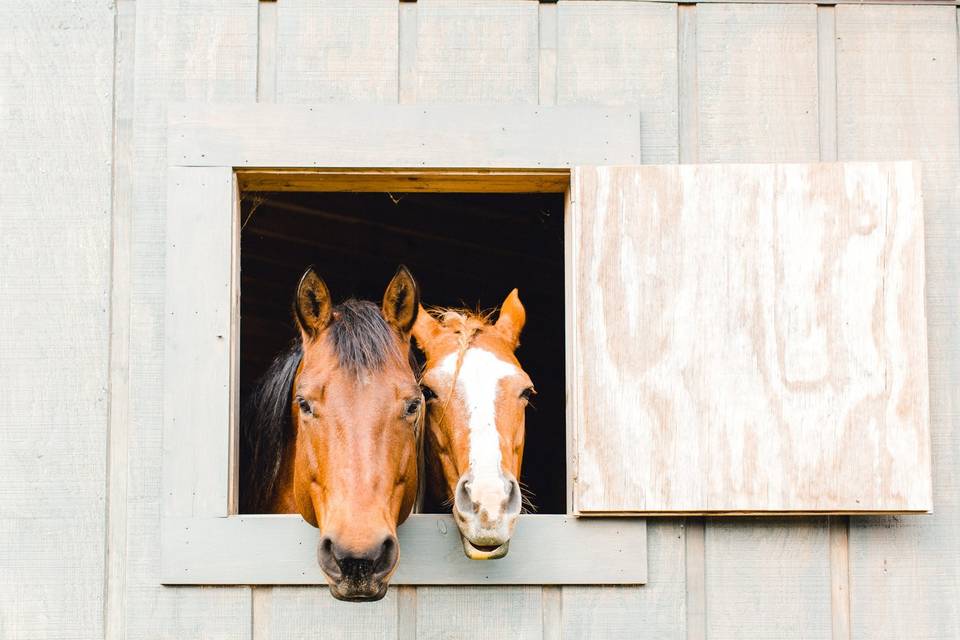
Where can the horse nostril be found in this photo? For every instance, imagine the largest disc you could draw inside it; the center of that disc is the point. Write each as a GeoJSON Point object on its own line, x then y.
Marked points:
{"type": "Point", "coordinates": [387, 556]}
{"type": "Point", "coordinates": [514, 499]}
{"type": "Point", "coordinates": [462, 499]}
{"type": "Point", "coordinates": [328, 558]}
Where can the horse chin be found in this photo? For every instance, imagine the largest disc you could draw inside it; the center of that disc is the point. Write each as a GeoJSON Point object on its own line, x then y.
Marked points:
{"type": "Point", "coordinates": [478, 552]}
{"type": "Point", "coordinates": [359, 596]}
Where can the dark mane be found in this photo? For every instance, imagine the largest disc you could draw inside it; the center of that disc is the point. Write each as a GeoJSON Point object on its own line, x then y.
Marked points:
{"type": "Point", "coordinates": [265, 430]}
{"type": "Point", "coordinates": [362, 340]}
{"type": "Point", "coordinates": [361, 337]}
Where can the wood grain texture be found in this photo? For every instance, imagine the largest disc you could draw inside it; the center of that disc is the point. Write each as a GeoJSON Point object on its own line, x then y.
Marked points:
{"type": "Point", "coordinates": [118, 445]}
{"type": "Point", "coordinates": [742, 327]}
{"type": "Point", "coordinates": [547, 74]}
{"type": "Point", "coordinates": [337, 51]}
{"type": "Point", "coordinates": [405, 180]}
{"type": "Point", "coordinates": [297, 613]}
{"type": "Point", "coordinates": [267, 52]}
{"type": "Point", "coordinates": [623, 54]}
{"type": "Point", "coordinates": [757, 79]}
{"type": "Point", "coordinates": [477, 52]}
{"type": "Point", "coordinates": [479, 613]}
{"type": "Point", "coordinates": [897, 97]}
{"type": "Point", "coordinates": [198, 51]}
{"type": "Point", "coordinates": [282, 550]}
{"type": "Point", "coordinates": [779, 590]}
{"type": "Point", "coordinates": [402, 136]}
{"type": "Point", "coordinates": [655, 610]}
{"type": "Point", "coordinates": [56, 125]}
{"type": "Point", "coordinates": [198, 341]}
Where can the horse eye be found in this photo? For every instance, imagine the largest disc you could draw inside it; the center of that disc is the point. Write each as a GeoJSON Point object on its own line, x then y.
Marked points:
{"type": "Point", "coordinates": [428, 393]}
{"type": "Point", "coordinates": [413, 406]}
{"type": "Point", "coordinates": [527, 393]}
{"type": "Point", "coordinates": [304, 406]}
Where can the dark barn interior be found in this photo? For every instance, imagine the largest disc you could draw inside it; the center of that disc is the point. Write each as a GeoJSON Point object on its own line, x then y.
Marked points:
{"type": "Point", "coordinates": [464, 250]}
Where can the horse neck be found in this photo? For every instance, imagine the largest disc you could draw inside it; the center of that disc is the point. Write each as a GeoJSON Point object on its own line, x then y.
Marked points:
{"type": "Point", "coordinates": [284, 498]}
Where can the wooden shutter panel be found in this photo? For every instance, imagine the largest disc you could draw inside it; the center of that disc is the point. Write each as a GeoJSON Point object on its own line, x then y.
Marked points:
{"type": "Point", "coordinates": [748, 338]}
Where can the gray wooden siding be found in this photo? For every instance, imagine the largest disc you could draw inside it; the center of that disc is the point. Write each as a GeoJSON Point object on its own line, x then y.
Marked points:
{"type": "Point", "coordinates": [56, 97]}
{"type": "Point", "coordinates": [85, 88]}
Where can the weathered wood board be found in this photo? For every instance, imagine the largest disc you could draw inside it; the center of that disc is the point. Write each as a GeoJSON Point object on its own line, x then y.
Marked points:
{"type": "Point", "coordinates": [752, 339]}
{"type": "Point", "coordinates": [479, 613]}
{"type": "Point", "coordinates": [655, 610]}
{"type": "Point", "coordinates": [337, 51]}
{"type": "Point", "coordinates": [56, 128]}
{"type": "Point", "coordinates": [897, 88]}
{"type": "Point", "coordinates": [622, 54]}
{"type": "Point", "coordinates": [545, 549]}
{"type": "Point", "coordinates": [200, 294]}
{"type": "Point", "coordinates": [757, 83]}
{"type": "Point", "coordinates": [402, 136]}
{"type": "Point", "coordinates": [767, 578]}
{"type": "Point", "coordinates": [476, 52]}
{"type": "Point", "coordinates": [196, 50]}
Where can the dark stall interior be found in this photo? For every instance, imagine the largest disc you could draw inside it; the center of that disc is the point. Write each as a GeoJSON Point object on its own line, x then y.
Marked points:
{"type": "Point", "coordinates": [464, 250]}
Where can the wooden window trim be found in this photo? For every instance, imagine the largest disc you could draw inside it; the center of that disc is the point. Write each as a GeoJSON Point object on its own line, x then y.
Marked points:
{"type": "Point", "coordinates": [215, 152]}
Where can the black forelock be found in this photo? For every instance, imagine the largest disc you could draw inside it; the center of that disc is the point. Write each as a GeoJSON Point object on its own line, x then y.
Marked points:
{"type": "Point", "coordinates": [361, 337]}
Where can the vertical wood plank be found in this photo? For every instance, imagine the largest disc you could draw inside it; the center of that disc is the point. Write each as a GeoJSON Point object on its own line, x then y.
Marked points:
{"type": "Point", "coordinates": [186, 50]}
{"type": "Point", "coordinates": [768, 579]}
{"type": "Point", "coordinates": [267, 52]}
{"type": "Point", "coordinates": [898, 98]}
{"type": "Point", "coordinates": [757, 96]}
{"type": "Point", "coordinates": [551, 606]}
{"type": "Point", "coordinates": [655, 610]}
{"type": "Point", "coordinates": [311, 612]}
{"type": "Point", "coordinates": [477, 52]}
{"type": "Point", "coordinates": [118, 444]}
{"type": "Point", "coordinates": [623, 53]}
{"type": "Point", "coordinates": [839, 532]}
{"type": "Point", "coordinates": [689, 101]}
{"type": "Point", "coordinates": [408, 52]}
{"type": "Point", "coordinates": [337, 51]}
{"type": "Point", "coordinates": [688, 144]}
{"type": "Point", "coordinates": [406, 613]}
{"type": "Point", "coordinates": [827, 82]}
{"type": "Point", "coordinates": [479, 613]}
{"type": "Point", "coordinates": [548, 54]}
{"type": "Point", "coordinates": [757, 67]}
{"type": "Point", "coordinates": [200, 223]}
{"type": "Point", "coordinates": [838, 527]}
{"type": "Point", "coordinates": [56, 123]}
{"type": "Point", "coordinates": [695, 557]}
{"type": "Point", "coordinates": [261, 613]}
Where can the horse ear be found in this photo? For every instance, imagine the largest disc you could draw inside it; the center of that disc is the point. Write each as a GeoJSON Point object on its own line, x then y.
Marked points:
{"type": "Point", "coordinates": [512, 318]}
{"type": "Point", "coordinates": [425, 328]}
{"type": "Point", "coordinates": [401, 302]}
{"type": "Point", "coordinates": [312, 306]}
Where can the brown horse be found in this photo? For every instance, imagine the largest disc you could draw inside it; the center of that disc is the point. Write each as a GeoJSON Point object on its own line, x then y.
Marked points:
{"type": "Point", "coordinates": [331, 432]}
{"type": "Point", "coordinates": [476, 396]}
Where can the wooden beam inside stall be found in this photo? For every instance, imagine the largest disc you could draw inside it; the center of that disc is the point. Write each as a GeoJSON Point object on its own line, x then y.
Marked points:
{"type": "Point", "coordinates": [405, 180]}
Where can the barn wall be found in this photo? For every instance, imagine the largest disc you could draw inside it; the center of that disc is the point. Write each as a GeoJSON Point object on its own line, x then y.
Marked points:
{"type": "Point", "coordinates": [84, 88]}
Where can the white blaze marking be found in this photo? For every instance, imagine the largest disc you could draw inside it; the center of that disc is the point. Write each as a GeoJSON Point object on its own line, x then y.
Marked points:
{"type": "Point", "coordinates": [477, 383]}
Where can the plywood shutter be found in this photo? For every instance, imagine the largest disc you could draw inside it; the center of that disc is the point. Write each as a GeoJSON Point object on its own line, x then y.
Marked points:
{"type": "Point", "coordinates": [748, 338]}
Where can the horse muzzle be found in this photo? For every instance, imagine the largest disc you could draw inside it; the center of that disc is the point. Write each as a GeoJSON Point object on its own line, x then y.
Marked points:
{"type": "Point", "coordinates": [358, 576]}
{"type": "Point", "coordinates": [486, 512]}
